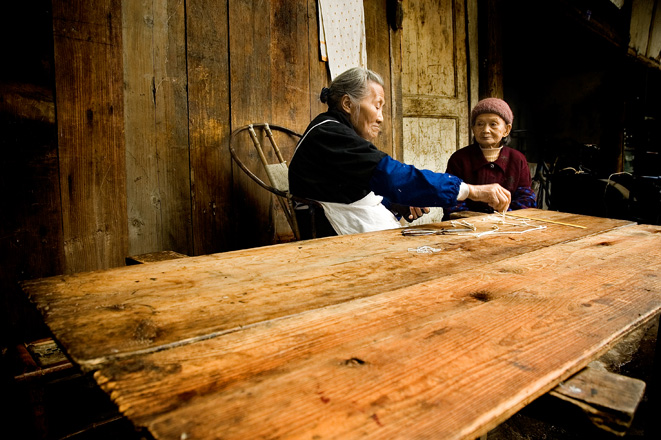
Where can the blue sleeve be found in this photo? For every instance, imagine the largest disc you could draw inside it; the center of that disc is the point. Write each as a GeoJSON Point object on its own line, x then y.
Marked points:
{"type": "Point", "coordinates": [523, 197]}
{"type": "Point", "coordinates": [408, 185]}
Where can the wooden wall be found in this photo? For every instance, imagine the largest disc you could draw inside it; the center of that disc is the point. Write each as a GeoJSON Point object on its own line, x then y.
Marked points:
{"type": "Point", "coordinates": [645, 31]}
{"type": "Point", "coordinates": [119, 145]}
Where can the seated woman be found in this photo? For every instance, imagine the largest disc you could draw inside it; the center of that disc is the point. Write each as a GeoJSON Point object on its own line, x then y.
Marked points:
{"type": "Point", "coordinates": [490, 160]}
{"type": "Point", "coordinates": [336, 164]}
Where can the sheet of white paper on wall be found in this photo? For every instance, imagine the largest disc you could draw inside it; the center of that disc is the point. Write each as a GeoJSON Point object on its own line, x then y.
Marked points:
{"type": "Point", "coordinates": [342, 40]}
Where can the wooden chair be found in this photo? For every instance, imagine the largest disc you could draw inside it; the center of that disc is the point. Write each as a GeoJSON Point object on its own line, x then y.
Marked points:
{"type": "Point", "coordinates": [276, 172]}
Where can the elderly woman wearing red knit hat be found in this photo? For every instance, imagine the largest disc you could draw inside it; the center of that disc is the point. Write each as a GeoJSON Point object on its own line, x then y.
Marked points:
{"type": "Point", "coordinates": [490, 160]}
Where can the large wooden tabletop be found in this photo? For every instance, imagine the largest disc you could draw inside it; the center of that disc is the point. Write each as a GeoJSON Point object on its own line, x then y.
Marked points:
{"type": "Point", "coordinates": [357, 336]}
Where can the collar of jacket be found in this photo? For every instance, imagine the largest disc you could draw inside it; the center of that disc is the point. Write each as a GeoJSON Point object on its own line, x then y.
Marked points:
{"type": "Point", "coordinates": [479, 161]}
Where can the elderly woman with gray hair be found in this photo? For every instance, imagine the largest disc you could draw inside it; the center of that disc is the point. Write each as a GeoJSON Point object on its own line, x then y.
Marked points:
{"type": "Point", "coordinates": [490, 160]}
{"type": "Point", "coordinates": [361, 188]}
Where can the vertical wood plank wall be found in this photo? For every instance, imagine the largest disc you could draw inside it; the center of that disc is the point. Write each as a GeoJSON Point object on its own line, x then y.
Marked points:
{"type": "Point", "coordinates": [148, 93]}
{"type": "Point", "coordinates": [90, 121]}
{"type": "Point", "coordinates": [645, 29]}
{"type": "Point", "coordinates": [156, 126]}
{"type": "Point", "coordinates": [269, 80]}
{"type": "Point", "coordinates": [378, 59]}
{"type": "Point", "coordinates": [208, 101]}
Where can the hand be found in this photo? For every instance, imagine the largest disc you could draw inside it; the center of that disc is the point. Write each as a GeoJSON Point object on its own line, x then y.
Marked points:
{"type": "Point", "coordinates": [409, 213]}
{"type": "Point", "coordinates": [416, 213]}
{"type": "Point", "coordinates": [493, 194]}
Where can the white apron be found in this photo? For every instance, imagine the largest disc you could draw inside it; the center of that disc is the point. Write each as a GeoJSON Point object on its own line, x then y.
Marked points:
{"type": "Point", "coordinates": [365, 215]}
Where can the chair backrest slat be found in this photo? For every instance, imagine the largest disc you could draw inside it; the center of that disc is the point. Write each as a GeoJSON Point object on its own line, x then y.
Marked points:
{"type": "Point", "coordinates": [277, 173]}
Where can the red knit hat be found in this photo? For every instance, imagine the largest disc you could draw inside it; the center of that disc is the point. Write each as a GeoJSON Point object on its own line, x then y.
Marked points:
{"type": "Point", "coordinates": [492, 105]}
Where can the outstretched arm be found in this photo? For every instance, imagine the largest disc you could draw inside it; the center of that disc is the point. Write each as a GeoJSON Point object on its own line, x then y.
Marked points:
{"type": "Point", "coordinates": [408, 185]}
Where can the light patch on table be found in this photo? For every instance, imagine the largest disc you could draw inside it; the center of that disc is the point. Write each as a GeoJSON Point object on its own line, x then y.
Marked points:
{"type": "Point", "coordinates": [428, 144]}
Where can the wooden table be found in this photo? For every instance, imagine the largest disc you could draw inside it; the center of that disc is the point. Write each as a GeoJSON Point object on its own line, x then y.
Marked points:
{"type": "Point", "coordinates": [357, 336]}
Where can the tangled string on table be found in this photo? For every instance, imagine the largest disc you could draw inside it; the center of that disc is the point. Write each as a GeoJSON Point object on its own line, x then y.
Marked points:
{"type": "Point", "coordinates": [425, 250]}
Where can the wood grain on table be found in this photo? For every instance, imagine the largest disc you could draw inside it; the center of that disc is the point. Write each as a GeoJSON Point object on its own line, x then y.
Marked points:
{"type": "Point", "coordinates": [356, 336]}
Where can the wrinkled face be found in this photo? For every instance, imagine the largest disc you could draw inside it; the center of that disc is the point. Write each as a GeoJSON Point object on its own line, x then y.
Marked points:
{"type": "Point", "coordinates": [489, 129]}
{"type": "Point", "coordinates": [368, 115]}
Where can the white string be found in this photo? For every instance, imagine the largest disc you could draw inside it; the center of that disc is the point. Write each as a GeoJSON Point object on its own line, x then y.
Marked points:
{"type": "Point", "coordinates": [500, 218]}
{"type": "Point", "coordinates": [464, 223]}
{"type": "Point", "coordinates": [497, 231]}
{"type": "Point", "coordinates": [425, 250]}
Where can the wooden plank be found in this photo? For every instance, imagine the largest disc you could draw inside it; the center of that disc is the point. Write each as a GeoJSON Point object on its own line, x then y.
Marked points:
{"type": "Point", "coordinates": [319, 75]}
{"type": "Point", "coordinates": [434, 85]}
{"type": "Point", "coordinates": [473, 55]}
{"type": "Point", "coordinates": [492, 83]}
{"type": "Point", "coordinates": [236, 289]}
{"type": "Point", "coordinates": [396, 92]}
{"type": "Point", "coordinates": [46, 353]}
{"type": "Point", "coordinates": [377, 37]}
{"type": "Point", "coordinates": [156, 121]}
{"type": "Point", "coordinates": [289, 73]}
{"type": "Point", "coordinates": [90, 117]}
{"type": "Point", "coordinates": [435, 140]}
{"type": "Point", "coordinates": [448, 358]}
{"type": "Point", "coordinates": [171, 123]}
{"type": "Point", "coordinates": [209, 125]}
{"type": "Point", "coordinates": [426, 71]}
{"type": "Point", "coordinates": [639, 29]}
{"type": "Point", "coordinates": [152, 257]}
{"type": "Point", "coordinates": [142, 195]}
{"type": "Point", "coordinates": [654, 44]}
{"type": "Point", "coordinates": [285, 82]}
{"type": "Point", "coordinates": [608, 399]}
{"type": "Point", "coordinates": [251, 102]}
{"type": "Point", "coordinates": [289, 67]}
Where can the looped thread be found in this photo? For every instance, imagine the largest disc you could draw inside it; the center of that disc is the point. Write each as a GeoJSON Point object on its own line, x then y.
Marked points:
{"type": "Point", "coordinates": [425, 250]}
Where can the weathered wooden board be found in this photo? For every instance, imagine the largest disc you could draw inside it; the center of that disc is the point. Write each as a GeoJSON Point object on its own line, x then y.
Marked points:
{"type": "Point", "coordinates": [608, 399]}
{"type": "Point", "coordinates": [319, 75]}
{"type": "Point", "coordinates": [654, 44]}
{"type": "Point", "coordinates": [434, 87]}
{"type": "Point", "coordinates": [156, 127]}
{"type": "Point", "coordinates": [447, 358]}
{"type": "Point", "coordinates": [271, 53]}
{"type": "Point", "coordinates": [89, 101]}
{"type": "Point", "coordinates": [377, 36]}
{"type": "Point", "coordinates": [641, 27]}
{"type": "Point", "coordinates": [209, 124]}
{"type": "Point", "coordinates": [152, 257]}
{"type": "Point", "coordinates": [145, 307]}
{"type": "Point", "coordinates": [434, 141]}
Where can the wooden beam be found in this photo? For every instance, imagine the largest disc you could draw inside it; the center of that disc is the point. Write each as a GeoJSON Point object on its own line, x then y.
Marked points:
{"type": "Point", "coordinates": [90, 119]}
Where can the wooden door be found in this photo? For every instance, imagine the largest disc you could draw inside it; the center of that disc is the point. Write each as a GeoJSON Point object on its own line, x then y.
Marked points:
{"type": "Point", "coordinates": [435, 86]}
